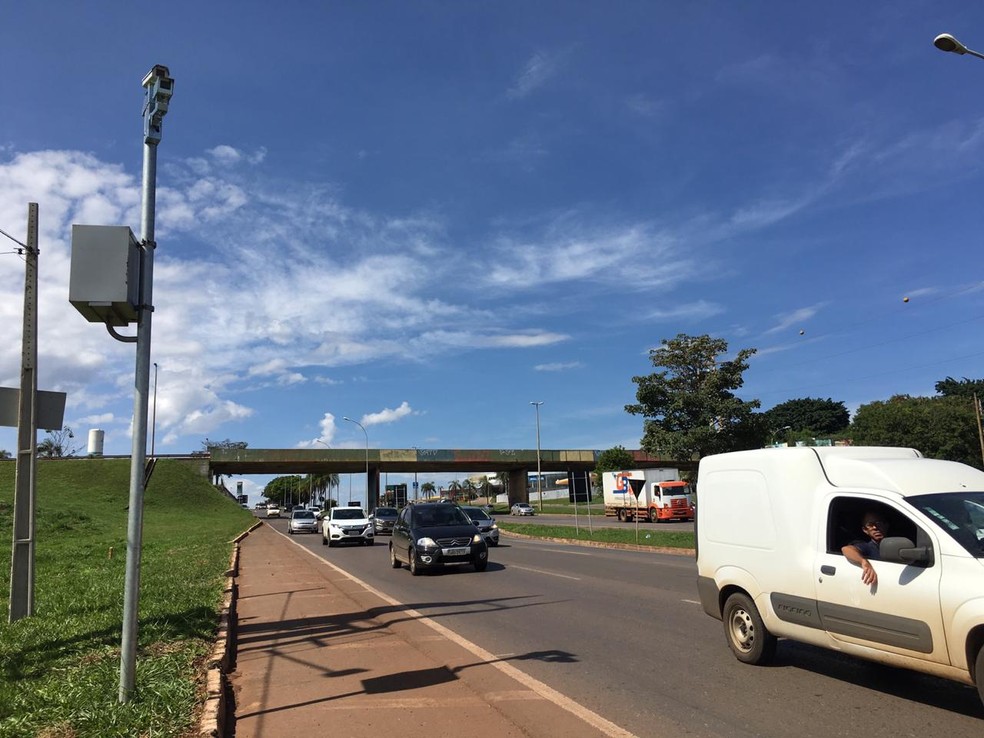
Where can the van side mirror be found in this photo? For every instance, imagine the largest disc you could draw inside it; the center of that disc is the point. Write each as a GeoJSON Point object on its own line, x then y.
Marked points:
{"type": "Point", "coordinates": [903, 550]}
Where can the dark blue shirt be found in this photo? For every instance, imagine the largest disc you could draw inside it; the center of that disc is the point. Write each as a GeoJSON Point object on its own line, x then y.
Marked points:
{"type": "Point", "coordinates": [868, 548]}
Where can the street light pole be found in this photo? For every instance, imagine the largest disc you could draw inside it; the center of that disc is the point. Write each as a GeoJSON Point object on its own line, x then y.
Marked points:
{"type": "Point", "coordinates": [368, 504]}
{"type": "Point", "coordinates": [539, 476]}
{"type": "Point", "coordinates": [158, 86]}
{"type": "Point", "coordinates": [946, 42]}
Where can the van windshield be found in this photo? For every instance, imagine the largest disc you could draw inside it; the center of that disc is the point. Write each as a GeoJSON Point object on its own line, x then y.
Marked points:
{"type": "Point", "coordinates": [960, 514]}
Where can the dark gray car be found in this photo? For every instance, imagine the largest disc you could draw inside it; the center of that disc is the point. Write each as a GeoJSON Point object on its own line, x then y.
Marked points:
{"type": "Point", "coordinates": [383, 519]}
{"type": "Point", "coordinates": [432, 535]}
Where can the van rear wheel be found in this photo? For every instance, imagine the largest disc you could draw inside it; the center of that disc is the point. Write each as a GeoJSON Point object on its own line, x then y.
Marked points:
{"type": "Point", "coordinates": [747, 636]}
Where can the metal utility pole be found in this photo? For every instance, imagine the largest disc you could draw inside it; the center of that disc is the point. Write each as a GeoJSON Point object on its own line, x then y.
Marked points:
{"type": "Point", "coordinates": [158, 87]}
{"type": "Point", "coordinates": [153, 421]}
{"type": "Point", "coordinates": [22, 554]}
{"type": "Point", "coordinates": [980, 430]}
{"type": "Point", "coordinates": [539, 476]}
{"type": "Point", "coordinates": [369, 505]}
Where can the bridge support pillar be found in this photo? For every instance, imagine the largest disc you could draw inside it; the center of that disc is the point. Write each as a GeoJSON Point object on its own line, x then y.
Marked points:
{"type": "Point", "coordinates": [519, 486]}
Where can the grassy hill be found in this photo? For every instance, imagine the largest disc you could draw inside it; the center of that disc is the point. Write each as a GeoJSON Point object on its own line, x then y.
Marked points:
{"type": "Point", "coordinates": [60, 668]}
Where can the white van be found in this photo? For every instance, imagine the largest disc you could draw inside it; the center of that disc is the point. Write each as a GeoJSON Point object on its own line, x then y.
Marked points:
{"type": "Point", "coordinates": [770, 527]}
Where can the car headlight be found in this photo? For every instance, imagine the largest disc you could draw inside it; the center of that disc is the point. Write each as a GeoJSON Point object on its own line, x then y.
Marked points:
{"type": "Point", "coordinates": [477, 538]}
{"type": "Point", "coordinates": [426, 542]}
{"type": "Point", "coordinates": [494, 527]}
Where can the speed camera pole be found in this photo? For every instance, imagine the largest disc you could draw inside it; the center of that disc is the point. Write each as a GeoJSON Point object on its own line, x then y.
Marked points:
{"type": "Point", "coordinates": [158, 87]}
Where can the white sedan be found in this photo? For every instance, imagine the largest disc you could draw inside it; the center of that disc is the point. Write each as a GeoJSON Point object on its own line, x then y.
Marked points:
{"type": "Point", "coordinates": [521, 508]}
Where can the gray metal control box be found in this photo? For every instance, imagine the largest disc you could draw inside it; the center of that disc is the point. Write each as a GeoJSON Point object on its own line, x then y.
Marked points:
{"type": "Point", "coordinates": [105, 277]}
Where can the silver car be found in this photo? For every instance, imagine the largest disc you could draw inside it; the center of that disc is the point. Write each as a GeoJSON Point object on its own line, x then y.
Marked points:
{"type": "Point", "coordinates": [485, 523]}
{"type": "Point", "coordinates": [302, 521]}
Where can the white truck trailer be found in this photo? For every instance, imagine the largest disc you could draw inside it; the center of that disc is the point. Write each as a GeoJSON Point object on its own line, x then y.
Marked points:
{"type": "Point", "coordinates": [649, 494]}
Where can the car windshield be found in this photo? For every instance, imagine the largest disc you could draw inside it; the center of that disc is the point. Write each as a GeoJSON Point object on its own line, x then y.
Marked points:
{"type": "Point", "coordinates": [476, 513]}
{"type": "Point", "coordinates": [960, 514]}
{"type": "Point", "coordinates": [303, 515]}
{"type": "Point", "coordinates": [355, 514]}
{"type": "Point", "coordinates": [386, 512]}
{"type": "Point", "coordinates": [438, 515]}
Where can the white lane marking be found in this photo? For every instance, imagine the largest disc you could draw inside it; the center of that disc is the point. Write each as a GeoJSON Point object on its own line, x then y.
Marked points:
{"type": "Point", "coordinates": [541, 571]}
{"type": "Point", "coordinates": [572, 553]}
{"type": "Point", "coordinates": [549, 693]}
{"type": "Point", "coordinates": [692, 602]}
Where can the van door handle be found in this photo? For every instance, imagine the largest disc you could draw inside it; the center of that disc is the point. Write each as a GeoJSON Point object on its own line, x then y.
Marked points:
{"type": "Point", "coordinates": [828, 569]}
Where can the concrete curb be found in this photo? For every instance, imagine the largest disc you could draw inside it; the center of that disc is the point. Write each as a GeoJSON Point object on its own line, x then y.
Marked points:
{"type": "Point", "coordinates": [212, 723]}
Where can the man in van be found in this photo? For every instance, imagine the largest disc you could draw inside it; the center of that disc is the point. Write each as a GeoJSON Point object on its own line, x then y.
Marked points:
{"type": "Point", "coordinates": [873, 525]}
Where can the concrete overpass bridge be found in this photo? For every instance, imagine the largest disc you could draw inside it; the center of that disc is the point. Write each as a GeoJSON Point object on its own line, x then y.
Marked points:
{"type": "Point", "coordinates": [517, 463]}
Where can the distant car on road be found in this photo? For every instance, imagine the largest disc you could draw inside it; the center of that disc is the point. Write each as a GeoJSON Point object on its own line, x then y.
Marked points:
{"type": "Point", "coordinates": [383, 519]}
{"type": "Point", "coordinates": [342, 524]}
{"type": "Point", "coordinates": [302, 521]}
{"type": "Point", "coordinates": [272, 511]}
{"type": "Point", "coordinates": [485, 523]}
{"type": "Point", "coordinates": [521, 508]}
{"type": "Point", "coordinates": [431, 535]}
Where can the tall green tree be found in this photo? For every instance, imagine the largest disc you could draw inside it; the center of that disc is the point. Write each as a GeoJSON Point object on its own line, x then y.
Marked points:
{"type": "Point", "coordinates": [614, 459]}
{"type": "Point", "coordinates": [689, 406]}
{"type": "Point", "coordinates": [939, 427]}
{"type": "Point", "coordinates": [951, 387]}
{"type": "Point", "coordinates": [819, 417]}
{"type": "Point", "coordinates": [282, 490]}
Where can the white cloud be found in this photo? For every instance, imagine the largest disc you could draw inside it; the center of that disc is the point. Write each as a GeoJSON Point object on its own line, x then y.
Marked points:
{"type": "Point", "coordinates": [387, 415]}
{"type": "Point", "coordinates": [558, 366]}
{"type": "Point", "coordinates": [691, 311]}
{"type": "Point", "coordinates": [327, 435]}
{"type": "Point", "coordinates": [536, 72]}
{"type": "Point", "coordinates": [797, 318]}
{"type": "Point", "coordinates": [643, 105]}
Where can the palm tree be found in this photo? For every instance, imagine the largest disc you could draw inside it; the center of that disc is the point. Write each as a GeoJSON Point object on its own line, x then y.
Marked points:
{"type": "Point", "coordinates": [428, 488]}
{"type": "Point", "coordinates": [319, 484]}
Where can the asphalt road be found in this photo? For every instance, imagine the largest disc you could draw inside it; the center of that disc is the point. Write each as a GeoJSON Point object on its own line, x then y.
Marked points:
{"type": "Point", "coordinates": [622, 633]}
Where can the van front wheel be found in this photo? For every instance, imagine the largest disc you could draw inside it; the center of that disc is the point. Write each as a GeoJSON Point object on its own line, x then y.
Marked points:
{"type": "Point", "coordinates": [979, 672]}
{"type": "Point", "coordinates": [747, 635]}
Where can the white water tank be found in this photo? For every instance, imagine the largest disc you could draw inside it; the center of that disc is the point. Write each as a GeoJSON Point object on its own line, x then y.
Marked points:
{"type": "Point", "coordinates": [96, 438]}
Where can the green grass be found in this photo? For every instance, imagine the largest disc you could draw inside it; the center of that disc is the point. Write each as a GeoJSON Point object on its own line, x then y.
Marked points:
{"type": "Point", "coordinates": [644, 536]}
{"type": "Point", "coordinates": [60, 668]}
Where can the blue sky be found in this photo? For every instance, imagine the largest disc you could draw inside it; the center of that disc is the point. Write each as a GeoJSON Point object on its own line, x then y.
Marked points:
{"type": "Point", "coordinates": [426, 215]}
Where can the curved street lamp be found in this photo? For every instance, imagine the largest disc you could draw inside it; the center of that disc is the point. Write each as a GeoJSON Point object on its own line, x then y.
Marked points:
{"type": "Point", "coordinates": [539, 476]}
{"type": "Point", "coordinates": [368, 504]}
{"type": "Point", "coordinates": [946, 42]}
